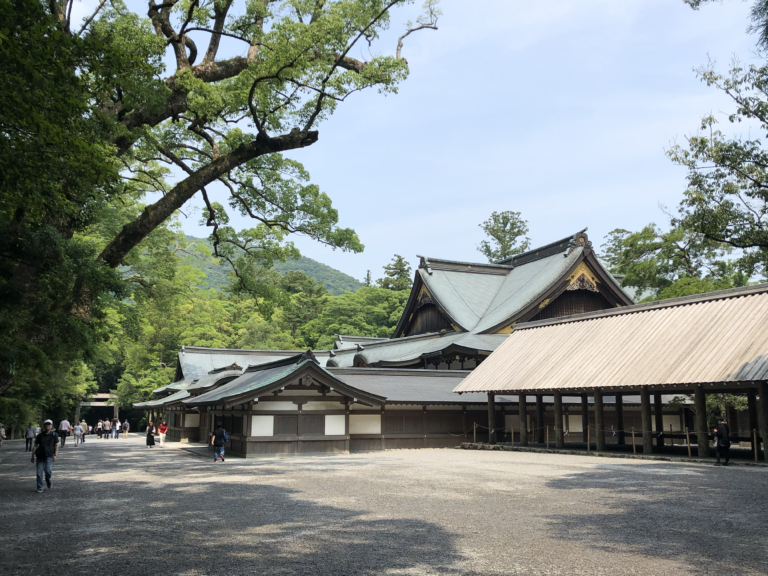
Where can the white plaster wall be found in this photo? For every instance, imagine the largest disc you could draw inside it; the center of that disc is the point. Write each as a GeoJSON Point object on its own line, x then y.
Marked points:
{"type": "Point", "coordinates": [335, 425]}
{"type": "Point", "coordinates": [192, 421]}
{"type": "Point", "coordinates": [264, 406]}
{"type": "Point", "coordinates": [323, 406]}
{"type": "Point", "coordinates": [574, 424]}
{"type": "Point", "coordinates": [365, 424]}
{"type": "Point", "coordinates": [673, 420]}
{"type": "Point", "coordinates": [262, 426]}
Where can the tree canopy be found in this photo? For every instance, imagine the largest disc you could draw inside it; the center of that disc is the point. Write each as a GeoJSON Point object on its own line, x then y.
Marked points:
{"type": "Point", "coordinates": [506, 233]}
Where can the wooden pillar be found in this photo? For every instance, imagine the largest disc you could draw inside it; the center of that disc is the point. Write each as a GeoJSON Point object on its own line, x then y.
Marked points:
{"type": "Point", "coordinates": [620, 419]}
{"type": "Point", "coordinates": [540, 419]}
{"type": "Point", "coordinates": [763, 417]}
{"type": "Point", "coordinates": [753, 423]}
{"type": "Point", "coordinates": [659, 421]}
{"type": "Point", "coordinates": [523, 410]}
{"type": "Point", "coordinates": [599, 421]}
{"type": "Point", "coordinates": [645, 411]}
{"type": "Point", "coordinates": [702, 431]}
{"type": "Point", "coordinates": [559, 440]}
{"type": "Point", "coordinates": [584, 418]}
{"type": "Point", "coordinates": [492, 418]}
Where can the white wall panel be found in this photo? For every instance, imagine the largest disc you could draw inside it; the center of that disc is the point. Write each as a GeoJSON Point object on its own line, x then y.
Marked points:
{"type": "Point", "coordinates": [323, 406]}
{"type": "Point", "coordinates": [262, 426]}
{"type": "Point", "coordinates": [365, 424]}
{"type": "Point", "coordinates": [268, 406]}
{"type": "Point", "coordinates": [335, 425]}
{"type": "Point", "coordinates": [192, 421]}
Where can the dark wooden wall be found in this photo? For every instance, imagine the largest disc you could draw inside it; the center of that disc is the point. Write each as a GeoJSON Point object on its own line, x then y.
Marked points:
{"type": "Point", "coordinates": [573, 302]}
{"type": "Point", "coordinates": [427, 319]}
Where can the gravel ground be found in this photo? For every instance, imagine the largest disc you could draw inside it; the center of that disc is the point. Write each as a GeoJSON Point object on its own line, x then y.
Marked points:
{"type": "Point", "coordinates": [119, 508]}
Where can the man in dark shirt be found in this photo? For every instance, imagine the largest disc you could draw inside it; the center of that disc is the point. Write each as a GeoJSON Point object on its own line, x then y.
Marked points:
{"type": "Point", "coordinates": [218, 438]}
{"type": "Point", "coordinates": [46, 450]}
{"type": "Point", "coordinates": [723, 437]}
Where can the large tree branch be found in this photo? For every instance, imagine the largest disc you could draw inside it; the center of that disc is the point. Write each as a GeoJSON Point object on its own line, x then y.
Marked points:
{"type": "Point", "coordinates": [155, 214]}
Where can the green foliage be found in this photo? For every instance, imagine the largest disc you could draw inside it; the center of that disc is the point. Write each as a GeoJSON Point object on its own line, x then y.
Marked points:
{"type": "Point", "coordinates": [397, 276]}
{"type": "Point", "coordinates": [671, 264]}
{"type": "Point", "coordinates": [727, 196]}
{"type": "Point", "coordinates": [507, 236]}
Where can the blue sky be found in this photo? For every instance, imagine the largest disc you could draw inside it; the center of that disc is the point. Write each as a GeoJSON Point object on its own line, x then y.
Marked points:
{"type": "Point", "coordinates": [559, 109]}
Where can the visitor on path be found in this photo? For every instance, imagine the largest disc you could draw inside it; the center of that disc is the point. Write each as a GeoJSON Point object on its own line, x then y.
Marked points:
{"type": "Point", "coordinates": [218, 439]}
{"type": "Point", "coordinates": [64, 428]}
{"type": "Point", "coordinates": [2, 434]}
{"type": "Point", "coordinates": [99, 429]}
{"type": "Point", "coordinates": [162, 430]}
{"type": "Point", "coordinates": [115, 428]}
{"type": "Point", "coordinates": [85, 431]}
{"type": "Point", "coordinates": [29, 436]}
{"type": "Point", "coordinates": [126, 428]}
{"type": "Point", "coordinates": [37, 430]}
{"type": "Point", "coordinates": [723, 441]}
{"type": "Point", "coordinates": [46, 450]}
{"type": "Point", "coordinates": [78, 431]}
{"type": "Point", "coordinates": [150, 435]}
{"type": "Point", "coordinates": [106, 429]}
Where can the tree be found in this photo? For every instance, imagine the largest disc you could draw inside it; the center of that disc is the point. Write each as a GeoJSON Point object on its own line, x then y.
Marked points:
{"type": "Point", "coordinates": [367, 281]}
{"type": "Point", "coordinates": [105, 126]}
{"type": "Point", "coordinates": [507, 236]}
{"type": "Point", "coordinates": [397, 275]}
{"type": "Point", "coordinates": [671, 264]}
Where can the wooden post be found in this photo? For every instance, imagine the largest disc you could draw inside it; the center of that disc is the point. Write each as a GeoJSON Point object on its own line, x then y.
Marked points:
{"type": "Point", "coordinates": [634, 446]}
{"type": "Point", "coordinates": [474, 439]}
{"type": "Point", "coordinates": [763, 418]}
{"type": "Point", "coordinates": [645, 410]}
{"type": "Point", "coordinates": [547, 436]}
{"type": "Point", "coordinates": [702, 431]}
{"type": "Point", "coordinates": [754, 442]}
{"type": "Point", "coordinates": [539, 418]}
{"type": "Point", "coordinates": [491, 418]}
{"type": "Point", "coordinates": [523, 410]}
{"type": "Point", "coordinates": [659, 421]}
{"type": "Point", "coordinates": [585, 419]}
{"type": "Point", "coordinates": [599, 422]}
{"type": "Point", "coordinates": [588, 441]}
{"type": "Point", "coordinates": [688, 441]}
{"type": "Point", "coordinates": [559, 440]}
{"type": "Point", "coordinates": [620, 419]}
{"type": "Point", "coordinates": [753, 423]}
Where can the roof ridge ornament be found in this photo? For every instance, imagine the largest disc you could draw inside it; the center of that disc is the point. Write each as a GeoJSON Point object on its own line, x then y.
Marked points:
{"type": "Point", "coordinates": [579, 240]}
{"type": "Point", "coordinates": [424, 263]}
{"type": "Point", "coordinates": [360, 347]}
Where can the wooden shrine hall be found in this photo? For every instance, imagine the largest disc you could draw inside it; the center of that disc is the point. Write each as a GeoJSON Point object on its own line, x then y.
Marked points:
{"type": "Point", "coordinates": [698, 345]}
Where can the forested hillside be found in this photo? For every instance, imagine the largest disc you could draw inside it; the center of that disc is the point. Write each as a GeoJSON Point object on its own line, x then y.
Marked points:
{"type": "Point", "coordinates": [335, 282]}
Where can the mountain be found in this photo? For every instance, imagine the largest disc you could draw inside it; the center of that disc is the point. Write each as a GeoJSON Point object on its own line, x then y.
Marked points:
{"type": "Point", "coordinates": [335, 282]}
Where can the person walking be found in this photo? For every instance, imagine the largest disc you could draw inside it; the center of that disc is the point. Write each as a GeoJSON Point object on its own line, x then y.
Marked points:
{"type": "Point", "coordinates": [218, 439]}
{"type": "Point", "coordinates": [64, 427]}
{"type": "Point", "coordinates": [2, 434]}
{"type": "Point", "coordinates": [85, 431]}
{"type": "Point", "coordinates": [78, 432]}
{"type": "Point", "coordinates": [106, 429]}
{"type": "Point", "coordinates": [162, 430]}
{"type": "Point", "coordinates": [723, 439]}
{"type": "Point", "coordinates": [126, 427]}
{"type": "Point", "coordinates": [99, 429]}
{"type": "Point", "coordinates": [115, 428]}
{"type": "Point", "coordinates": [46, 450]}
{"type": "Point", "coordinates": [150, 435]}
{"type": "Point", "coordinates": [29, 436]}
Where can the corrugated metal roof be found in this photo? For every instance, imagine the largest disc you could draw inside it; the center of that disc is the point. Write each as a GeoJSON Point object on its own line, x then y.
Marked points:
{"type": "Point", "coordinates": [212, 379]}
{"type": "Point", "coordinates": [248, 382]}
{"type": "Point", "coordinates": [710, 338]}
{"type": "Point", "coordinates": [178, 385]}
{"type": "Point", "coordinates": [176, 397]}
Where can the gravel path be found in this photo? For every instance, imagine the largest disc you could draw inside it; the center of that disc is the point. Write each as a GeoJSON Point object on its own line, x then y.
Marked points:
{"type": "Point", "coordinates": [119, 508]}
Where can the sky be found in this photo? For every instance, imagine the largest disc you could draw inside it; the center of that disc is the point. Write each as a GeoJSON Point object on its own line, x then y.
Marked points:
{"type": "Point", "coordinates": [557, 109]}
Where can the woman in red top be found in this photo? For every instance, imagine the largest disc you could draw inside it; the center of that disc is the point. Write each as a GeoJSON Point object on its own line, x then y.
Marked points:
{"type": "Point", "coordinates": [162, 430]}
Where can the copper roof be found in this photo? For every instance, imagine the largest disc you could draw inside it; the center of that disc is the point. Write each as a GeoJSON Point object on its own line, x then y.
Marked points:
{"type": "Point", "coordinates": [710, 338]}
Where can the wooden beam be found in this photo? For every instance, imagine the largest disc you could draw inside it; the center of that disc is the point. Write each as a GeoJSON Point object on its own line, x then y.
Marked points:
{"type": "Point", "coordinates": [584, 418]}
{"type": "Point", "coordinates": [559, 440]}
{"type": "Point", "coordinates": [491, 418]}
{"type": "Point", "coordinates": [702, 431]}
{"type": "Point", "coordinates": [620, 419]}
{"type": "Point", "coordinates": [521, 401]}
{"type": "Point", "coordinates": [540, 418]}
{"type": "Point", "coordinates": [753, 422]}
{"type": "Point", "coordinates": [645, 409]}
{"type": "Point", "coordinates": [599, 421]}
{"type": "Point", "coordinates": [763, 417]}
{"type": "Point", "coordinates": [659, 421]}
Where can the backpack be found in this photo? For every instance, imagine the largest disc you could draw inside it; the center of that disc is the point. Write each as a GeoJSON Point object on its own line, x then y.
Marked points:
{"type": "Point", "coordinates": [226, 436]}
